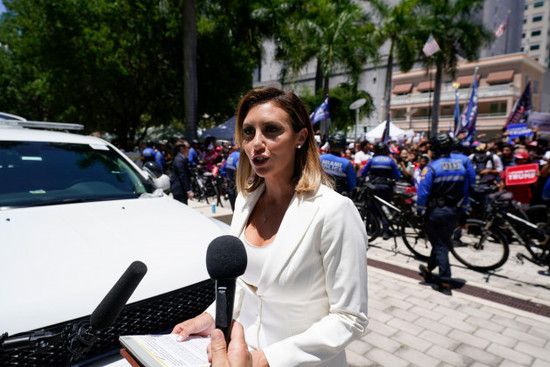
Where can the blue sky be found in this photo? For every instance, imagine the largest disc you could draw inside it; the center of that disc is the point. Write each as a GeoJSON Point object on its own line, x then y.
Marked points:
{"type": "Point", "coordinates": [2, 7]}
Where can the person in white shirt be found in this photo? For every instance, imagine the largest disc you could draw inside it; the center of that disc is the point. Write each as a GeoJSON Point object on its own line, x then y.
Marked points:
{"type": "Point", "coordinates": [362, 156]}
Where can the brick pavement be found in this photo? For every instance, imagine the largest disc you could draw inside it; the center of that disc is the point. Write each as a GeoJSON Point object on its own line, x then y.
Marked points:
{"type": "Point", "coordinates": [412, 325]}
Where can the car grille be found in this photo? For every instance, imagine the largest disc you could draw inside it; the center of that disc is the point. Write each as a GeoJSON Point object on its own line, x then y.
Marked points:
{"type": "Point", "coordinates": [151, 316]}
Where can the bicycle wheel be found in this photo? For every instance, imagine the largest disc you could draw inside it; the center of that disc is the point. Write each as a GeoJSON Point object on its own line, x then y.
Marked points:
{"type": "Point", "coordinates": [372, 225]}
{"type": "Point", "coordinates": [479, 248]}
{"type": "Point", "coordinates": [415, 239]}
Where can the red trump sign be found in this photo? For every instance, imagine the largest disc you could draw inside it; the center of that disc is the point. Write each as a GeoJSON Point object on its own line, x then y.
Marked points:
{"type": "Point", "coordinates": [524, 174]}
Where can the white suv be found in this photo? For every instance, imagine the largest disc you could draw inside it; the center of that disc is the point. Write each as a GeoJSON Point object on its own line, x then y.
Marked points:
{"type": "Point", "coordinates": [75, 212]}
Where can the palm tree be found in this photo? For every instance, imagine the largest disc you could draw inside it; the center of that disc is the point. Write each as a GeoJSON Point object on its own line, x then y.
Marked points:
{"type": "Point", "coordinates": [333, 33]}
{"type": "Point", "coordinates": [397, 26]}
{"type": "Point", "coordinates": [459, 32]}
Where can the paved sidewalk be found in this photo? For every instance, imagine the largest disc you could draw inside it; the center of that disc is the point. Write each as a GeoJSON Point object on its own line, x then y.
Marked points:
{"type": "Point", "coordinates": [413, 325]}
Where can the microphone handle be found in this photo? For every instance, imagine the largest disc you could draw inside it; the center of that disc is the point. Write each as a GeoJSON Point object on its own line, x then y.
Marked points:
{"type": "Point", "coordinates": [225, 297]}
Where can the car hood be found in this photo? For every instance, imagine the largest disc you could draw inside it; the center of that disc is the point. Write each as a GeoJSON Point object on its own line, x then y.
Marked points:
{"type": "Point", "coordinates": [57, 263]}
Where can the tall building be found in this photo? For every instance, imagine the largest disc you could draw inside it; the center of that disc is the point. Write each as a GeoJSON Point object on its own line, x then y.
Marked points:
{"type": "Point", "coordinates": [509, 13]}
{"type": "Point", "coordinates": [536, 30]}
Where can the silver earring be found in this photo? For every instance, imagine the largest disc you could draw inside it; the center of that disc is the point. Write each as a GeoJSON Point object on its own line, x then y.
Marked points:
{"type": "Point", "coordinates": [299, 146]}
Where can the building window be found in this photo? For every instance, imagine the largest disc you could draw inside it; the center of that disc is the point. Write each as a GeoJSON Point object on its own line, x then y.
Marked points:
{"type": "Point", "coordinates": [399, 114]}
{"type": "Point", "coordinates": [524, 21]}
{"type": "Point", "coordinates": [538, 4]}
{"type": "Point", "coordinates": [538, 18]}
{"type": "Point", "coordinates": [526, 6]}
{"type": "Point", "coordinates": [498, 108]}
{"type": "Point", "coordinates": [534, 47]}
{"type": "Point", "coordinates": [523, 35]}
{"type": "Point", "coordinates": [535, 33]}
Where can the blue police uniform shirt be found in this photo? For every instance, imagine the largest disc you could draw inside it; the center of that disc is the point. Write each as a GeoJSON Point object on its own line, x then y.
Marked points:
{"type": "Point", "coordinates": [443, 178]}
{"type": "Point", "coordinates": [159, 158]}
{"type": "Point", "coordinates": [467, 163]}
{"type": "Point", "coordinates": [229, 167]}
{"type": "Point", "coordinates": [193, 157]}
{"type": "Point", "coordinates": [340, 168]}
{"type": "Point", "coordinates": [381, 166]}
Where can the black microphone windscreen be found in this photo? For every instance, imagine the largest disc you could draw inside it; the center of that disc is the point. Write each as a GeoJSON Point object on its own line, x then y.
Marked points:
{"type": "Point", "coordinates": [226, 258]}
{"type": "Point", "coordinates": [110, 307]}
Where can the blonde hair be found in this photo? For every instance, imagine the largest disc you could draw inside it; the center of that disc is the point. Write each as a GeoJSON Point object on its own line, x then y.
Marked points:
{"type": "Point", "coordinates": [308, 172]}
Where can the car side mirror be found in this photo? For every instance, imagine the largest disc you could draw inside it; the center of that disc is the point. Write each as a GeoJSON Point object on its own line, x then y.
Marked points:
{"type": "Point", "coordinates": [162, 182]}
{"type": "Point", "coordinates": [153, 169]}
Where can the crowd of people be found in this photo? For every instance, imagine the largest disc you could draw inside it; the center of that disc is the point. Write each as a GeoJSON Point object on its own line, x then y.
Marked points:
{"type": "Point", "coordinates": [488, 157]}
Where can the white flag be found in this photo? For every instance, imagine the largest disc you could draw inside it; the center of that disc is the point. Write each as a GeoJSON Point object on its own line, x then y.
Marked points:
{"type": "Point", "coordinates": [430, 47]}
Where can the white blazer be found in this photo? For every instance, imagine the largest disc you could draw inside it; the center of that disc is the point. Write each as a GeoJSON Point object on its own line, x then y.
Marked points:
{"type": "Point", "coordinates": [311, 300]}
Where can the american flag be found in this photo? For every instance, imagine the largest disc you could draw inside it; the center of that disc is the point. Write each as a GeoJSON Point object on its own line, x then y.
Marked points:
{"type": "Point", "coordinates": [430, 47]}
{"type": "Point", "coordinates": [501, 28]}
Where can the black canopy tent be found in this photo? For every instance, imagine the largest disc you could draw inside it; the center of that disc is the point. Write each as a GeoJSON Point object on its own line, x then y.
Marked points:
{"type": "Point", "coordinates": [225, 131]}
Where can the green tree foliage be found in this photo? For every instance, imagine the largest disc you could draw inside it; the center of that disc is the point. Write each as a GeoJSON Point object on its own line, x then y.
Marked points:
{"type": "Point", "coordinates": [458, 29]}
{"type": "Point", "coordinates": [335, 34]}
{"type": "Point", "coordinates": [118, 66]}
{"type": "Point", "coordinates": [104, 64]}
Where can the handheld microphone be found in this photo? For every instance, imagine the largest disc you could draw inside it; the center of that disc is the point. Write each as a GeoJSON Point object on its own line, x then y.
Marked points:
{"type": "Point", "coordinates": [79, 338]}
{"type": "Point", "coordinates": [112, 304]}
{"type": "Point", "coordinates": [225, 260]}
{"type": "Point", "coordinates": [82, 337]}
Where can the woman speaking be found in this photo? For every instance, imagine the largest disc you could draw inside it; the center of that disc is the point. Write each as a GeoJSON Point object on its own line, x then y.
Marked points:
{"type": "Point", "coordinates": [303, 296]}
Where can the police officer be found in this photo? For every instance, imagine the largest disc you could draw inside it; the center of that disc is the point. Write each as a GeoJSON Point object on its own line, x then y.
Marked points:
{"type": "Point", "coordinates": [382, 172]}
{"type": "Point", "coordinates": [229, 171]}
{"type": "Point", "coordinates": [442, 192]}
{"type": "Point", "coordinates": [339, 168]}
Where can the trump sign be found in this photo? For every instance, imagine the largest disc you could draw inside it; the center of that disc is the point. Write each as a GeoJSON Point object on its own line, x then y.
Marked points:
{"type": "Point", "coordinates": [524, 174]}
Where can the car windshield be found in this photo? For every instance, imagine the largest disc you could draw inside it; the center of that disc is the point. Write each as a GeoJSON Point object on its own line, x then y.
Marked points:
{"type": "Point", "coordinates": [44, 173]}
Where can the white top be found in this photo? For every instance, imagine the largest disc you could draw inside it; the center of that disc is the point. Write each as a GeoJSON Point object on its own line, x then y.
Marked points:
{"type": "Point", "coordinates": [362, 157]}
{"type": "Point", "coordinates": [311, 298]}
{"type": "Point", "coordinates": [256, 259]}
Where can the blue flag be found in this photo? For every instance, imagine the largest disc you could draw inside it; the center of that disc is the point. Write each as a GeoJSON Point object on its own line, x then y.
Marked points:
{"type": "Point", "coordinates": [522, 108]}
{"type": "Point", "coordinates": [468, 119]}
{"type": "Point", "coordinates": [320, 113]}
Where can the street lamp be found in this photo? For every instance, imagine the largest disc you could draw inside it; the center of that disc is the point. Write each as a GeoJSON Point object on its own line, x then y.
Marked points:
{"type": "Point", "coordinates": [355, 106]}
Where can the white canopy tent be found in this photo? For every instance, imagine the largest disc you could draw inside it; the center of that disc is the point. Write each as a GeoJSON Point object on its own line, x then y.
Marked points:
{"type": "Point", "coordinates": [395, 133]}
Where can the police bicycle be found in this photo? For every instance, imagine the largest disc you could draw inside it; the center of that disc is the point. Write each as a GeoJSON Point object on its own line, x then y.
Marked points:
{"type": "Point", "coordinates": [402, 223]}
{"type": "Point", "coordinates": [205, 186]}
{"type": "Point", "coordinates": [484, 244]}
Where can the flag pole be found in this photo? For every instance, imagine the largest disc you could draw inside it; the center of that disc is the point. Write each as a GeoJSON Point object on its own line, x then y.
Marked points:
{"type": "Point", "coordinates": [430, 103]}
